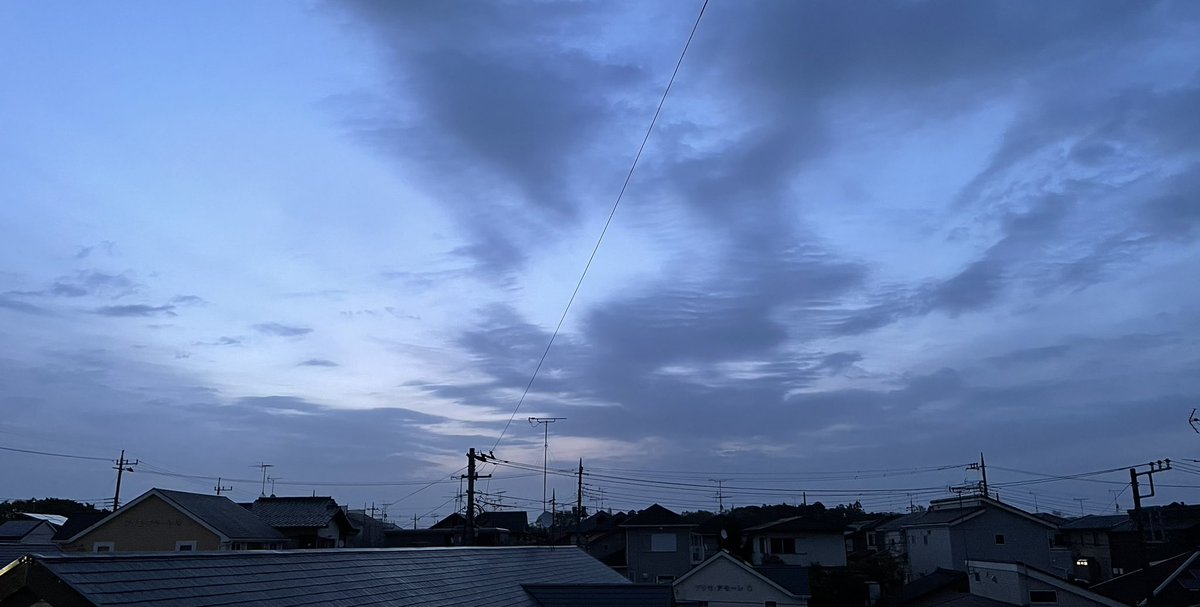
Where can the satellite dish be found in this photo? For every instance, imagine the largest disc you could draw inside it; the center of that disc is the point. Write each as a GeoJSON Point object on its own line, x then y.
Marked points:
{"type": "Point", "coordinates": [724, 534]}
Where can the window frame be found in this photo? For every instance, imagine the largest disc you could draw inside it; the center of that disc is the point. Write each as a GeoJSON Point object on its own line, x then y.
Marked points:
{"type": "Point", "coordinates": [190, 546]}
{"type": "Point", "coordinates": [660, 548]}
{"type": "Point", "coordinates": [108, 547]}
{"type": "Point", "coordinates": [1000, 541]}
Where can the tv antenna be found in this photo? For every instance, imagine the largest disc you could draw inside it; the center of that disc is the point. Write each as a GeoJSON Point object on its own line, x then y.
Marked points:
{"type": "Point", "coordinates": [1193, 420]}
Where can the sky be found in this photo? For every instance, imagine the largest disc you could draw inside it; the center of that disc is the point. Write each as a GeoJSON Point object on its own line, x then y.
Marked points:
{"type": "Point", "coordinates": [865, 242]}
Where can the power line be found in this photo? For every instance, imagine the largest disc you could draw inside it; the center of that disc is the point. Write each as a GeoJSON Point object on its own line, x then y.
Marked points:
{"type": "Point", "coordinates": [66, 455]}
{"type": "Point", "coordinates": [607, 223]}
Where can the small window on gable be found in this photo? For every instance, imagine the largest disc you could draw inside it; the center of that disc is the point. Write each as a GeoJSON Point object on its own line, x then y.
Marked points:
{"type": "Point", "coordinates": [185, 546]}
{"type": "Point", "coordinates": [103, 547]}
{"type": "Point", "coordinates": [1043, 597]}
{"type": "Point", "coordinates": [999, 539]}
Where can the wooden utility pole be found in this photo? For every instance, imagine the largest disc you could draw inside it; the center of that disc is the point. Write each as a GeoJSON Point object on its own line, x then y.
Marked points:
{"type": "Point", "coordinates": [122, 466]}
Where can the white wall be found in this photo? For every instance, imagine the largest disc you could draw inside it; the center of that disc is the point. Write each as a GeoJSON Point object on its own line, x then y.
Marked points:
{"type": "Point", "coordinates": [724, 584]}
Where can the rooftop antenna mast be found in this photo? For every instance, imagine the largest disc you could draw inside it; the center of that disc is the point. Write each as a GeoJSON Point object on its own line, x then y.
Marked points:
{"type": "Point", "coordinates": [264, 468]}
{"type": "Point", "coordinates": [545, 423]}
{"type": "Point", "coordinates": [1193, 420]}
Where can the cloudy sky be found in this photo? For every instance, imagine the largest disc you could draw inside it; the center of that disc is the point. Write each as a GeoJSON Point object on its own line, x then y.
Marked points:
{"type": "Point", "coordinates": [336, 237]}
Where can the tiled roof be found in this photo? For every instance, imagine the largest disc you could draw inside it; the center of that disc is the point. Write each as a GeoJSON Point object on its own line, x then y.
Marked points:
{"type": "Point", "coordinates": [12, 552]}
{"type": "Point", "coordinates": [15, 530]}
{"type": "Point", "coordinates": [1093, 521]}
{"type": "Point", "coordinates": [935, 517]}
{"type": "Point", "coordinates": [516, 521]}
{"type": "Point", "coordinates": [601, 595]}
{"type": "Point", "coordinates": [291, 512]}
{"type": "Point", "coordinates": [230, 519]}
{"type": "Point", "coordinates": [76, 523]}
{"type": "Point", "coordinates": [899, 523]}
{"type": "Point", "coordinates": [792, 578]}
{"type": "Point", "coordinates": [430, 577]}
{"type": "Point", "coordinates": [798, 524]}
{"type": "Point", "coordinates": [940, 579]}
{"type": "Point", "coordinates": [655, 516]}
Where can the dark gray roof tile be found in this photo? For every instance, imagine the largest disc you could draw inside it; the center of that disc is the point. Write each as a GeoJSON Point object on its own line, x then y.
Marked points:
{"type": "Point", "coordinates": [224, 515]}
{"type": "Point", "coordinates": [437, 577]}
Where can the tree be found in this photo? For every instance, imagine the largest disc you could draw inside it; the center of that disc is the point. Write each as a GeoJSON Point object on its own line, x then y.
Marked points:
{"type": "Point", "coordinates": [47, 505]}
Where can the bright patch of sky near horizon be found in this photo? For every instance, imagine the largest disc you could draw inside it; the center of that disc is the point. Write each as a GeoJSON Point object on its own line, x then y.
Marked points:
{"type": "Point", "coordinates": [336, 236]}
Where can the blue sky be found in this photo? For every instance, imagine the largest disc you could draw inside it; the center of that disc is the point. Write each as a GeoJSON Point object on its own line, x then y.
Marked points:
{"type": "Point", "coordinates": [336, 237]}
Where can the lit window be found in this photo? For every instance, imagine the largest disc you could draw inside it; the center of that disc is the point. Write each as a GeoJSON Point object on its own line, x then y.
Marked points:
{"type": "Point", "coordinates": [1081, 562]}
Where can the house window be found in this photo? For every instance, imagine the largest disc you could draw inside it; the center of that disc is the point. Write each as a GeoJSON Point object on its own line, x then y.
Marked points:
{"type": "Point", "coordinates": [697, 548]}
{"type": "Point", "coordinates": [999, 539]}
{"type": "Point", "coordinates": [185, 546]}
{"type": "Point", "coordinates": [1043, 597]}
{"type": "Point", "coordinates": [870, 539]}
{"type": "Point", "coordinates": [103, 547]}
{"type": "Point", "coordinates": [662, 542]}
{"type": "Point", "coordinates": [1081, 562]}
{"type": "Point", "coordinates": [770, 604]}
{"type": "Point", "coordinates": [783, 545]}
{"type": "Point", "coordinates": [925, 539]}
{"type": "Point", "coordinates": [664, 579]}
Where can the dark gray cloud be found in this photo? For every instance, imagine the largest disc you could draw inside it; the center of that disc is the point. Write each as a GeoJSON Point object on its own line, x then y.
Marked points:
{"type": "Point", "coordinates": [281, 330]}
{"type": "Point", "coordinates": [92, 282]}
{"type": "Point", "coordinates": [9, 303]}
{"type": "Point", "coordinates": [106, 246]}
{"type": "Point", "coordinates": [224, 340]}
{"type": "Point", "coordinates": [135, 310]}
{"type": "Point", "coordinates": [317, 362]}
{"type": "Point", "coordinates": [188, 300]}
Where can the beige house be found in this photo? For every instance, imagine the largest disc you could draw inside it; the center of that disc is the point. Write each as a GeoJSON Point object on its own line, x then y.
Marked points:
{"type": "Point", "coordinates": [162, 520]}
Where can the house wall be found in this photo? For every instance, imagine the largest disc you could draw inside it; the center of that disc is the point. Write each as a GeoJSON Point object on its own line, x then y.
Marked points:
{"type": "Point", "coordinates": [41, 534]}
{"type": "Point", "coordinates": [824, 549]}
{"type": "Point", "coordinates": [646, 566]}
{"type": "Point", "coordinates": [930, 548]}
{"type": "Point", "coordinates": [1024, 541]}
{"type": "Point", "coordinates": [152, 525]}
{"type": "Point", "coordinates": [1009, 584]}
{"type": "Point", "coordinates": [724, 584]}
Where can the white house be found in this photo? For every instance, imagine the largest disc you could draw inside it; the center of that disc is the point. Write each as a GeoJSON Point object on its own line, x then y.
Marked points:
{"type": "Point", "coordinates": [799, 541]}
{"type": "Point", "coordinates": [724, 581]}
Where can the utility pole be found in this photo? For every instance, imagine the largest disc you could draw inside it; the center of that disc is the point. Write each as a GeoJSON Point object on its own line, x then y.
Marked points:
{"type": "Point", "coordinates": [219, 488]}
{"type": "Point", "coordinates": [273, 479]}
{"type": "Point", "coordinates": [264, 468]}
{"type": "Point", "coordinates": [545, 422]}
{"type": "Point", "coordinates": [579, 506]}
{"type": "Point", "coordinates": [981, 466]}
{"type": "Point", "coordinates": [472, 457]}
{"type": "Point", "coordinates": [1152, 467]}
{"type": "Point", "coordinates": [123, 465]}
{"type": "Point", "coordinates": [1081, 500]}
{"type": "Point", "coordinates": [720, 494]}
